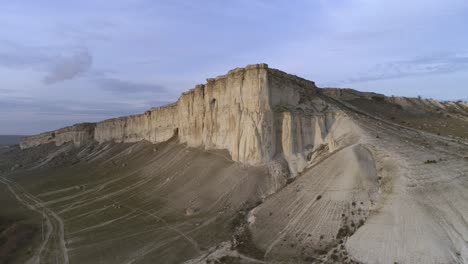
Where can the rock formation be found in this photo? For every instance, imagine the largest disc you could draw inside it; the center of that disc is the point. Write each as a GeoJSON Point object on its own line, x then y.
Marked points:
{"type": "Point", "coordinates": [78, 134]}
{"type": "Point", "coordinates": [260, 115]}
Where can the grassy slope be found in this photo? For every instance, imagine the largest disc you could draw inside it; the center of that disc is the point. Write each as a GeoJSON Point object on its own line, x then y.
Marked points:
{"type": "Point", "coordinates": [20, 229]}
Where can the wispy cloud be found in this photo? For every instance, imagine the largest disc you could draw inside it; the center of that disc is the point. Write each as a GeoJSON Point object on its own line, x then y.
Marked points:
{"type": "Point", "coordinates": [50, 60]}
{"type": "Point", "coordinates": [67, 68]}
{"type": "Point", "coordinates": [424, 65]}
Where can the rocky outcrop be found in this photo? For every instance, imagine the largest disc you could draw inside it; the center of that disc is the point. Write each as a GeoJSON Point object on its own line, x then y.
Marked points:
{"type": "Point", "coordinates": [256, 113]}
{"type": "Point", "coordinates": [155, 125]}
{"type": "Point", "coordinates": [78, 134]}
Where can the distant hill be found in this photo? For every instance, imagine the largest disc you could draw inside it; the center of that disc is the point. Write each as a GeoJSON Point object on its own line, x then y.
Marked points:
{"type": "Point", "coordinates": [10, 139]}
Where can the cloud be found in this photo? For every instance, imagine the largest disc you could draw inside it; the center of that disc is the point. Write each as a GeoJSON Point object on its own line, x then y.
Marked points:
{"type": "Point", "coordinates": [425, 65]}
{"type": "Point", "coordinates": [46, 59]}
{"type": "Point", "coordinates": [126, 87]}
{"type": "Point", "coordinates": [70, 67]}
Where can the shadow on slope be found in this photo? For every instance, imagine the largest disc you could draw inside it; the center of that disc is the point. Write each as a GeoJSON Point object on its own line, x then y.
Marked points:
{"type": "Point", "coordinates": [141, 202]}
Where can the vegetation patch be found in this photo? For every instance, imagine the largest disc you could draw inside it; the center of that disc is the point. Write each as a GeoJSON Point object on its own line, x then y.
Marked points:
{"type": "Point", "coordinates": [242, 239]}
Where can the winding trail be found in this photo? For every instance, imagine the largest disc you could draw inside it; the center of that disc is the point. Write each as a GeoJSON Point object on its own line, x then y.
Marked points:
{"type": "Point", "coordinates": [54, 224]}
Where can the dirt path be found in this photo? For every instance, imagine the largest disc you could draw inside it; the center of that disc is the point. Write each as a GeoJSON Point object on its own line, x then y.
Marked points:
{"type": "Point", "coordinates": [53, 222]}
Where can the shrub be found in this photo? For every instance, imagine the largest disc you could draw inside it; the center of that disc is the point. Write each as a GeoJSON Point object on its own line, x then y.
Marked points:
{"type": "Point", "coordinates": [334, 257]}
{"type": "Point", "coordinates": [343, 232]}
{"type": "Point", "coordinates": [361, 222]}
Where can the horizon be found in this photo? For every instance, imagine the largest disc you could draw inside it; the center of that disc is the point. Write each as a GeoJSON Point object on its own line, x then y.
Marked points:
{"type": "Point", "coordinates": [423, 98]}
{"type": "Point", "coordinates": [415, 97]}
{"type": "Point", "coordinates": [87, 61]}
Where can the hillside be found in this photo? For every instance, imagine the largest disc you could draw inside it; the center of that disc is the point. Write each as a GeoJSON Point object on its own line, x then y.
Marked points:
{"type": "Point", "coordinates": [439, 117]}
{"type": "Point", "coordinates": [255, 166]}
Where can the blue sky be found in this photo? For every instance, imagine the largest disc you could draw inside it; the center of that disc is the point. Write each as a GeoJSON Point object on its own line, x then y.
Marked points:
{"type": "Point", "coordinates": [64, 62]}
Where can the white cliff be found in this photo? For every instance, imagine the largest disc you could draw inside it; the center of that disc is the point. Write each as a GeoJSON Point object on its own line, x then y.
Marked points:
{"type": "Point", "coordinates": [78, 134]}
{"type": "Point", "coordinates": [258, 114]}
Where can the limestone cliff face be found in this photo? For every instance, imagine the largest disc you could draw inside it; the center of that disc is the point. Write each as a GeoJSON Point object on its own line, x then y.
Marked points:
{"type": "Point", "coordinates": [229, 112]}
{"type": "Point", "coordinates": [78, 134]}
{"type": "Point", "coordinates": [258, 114]}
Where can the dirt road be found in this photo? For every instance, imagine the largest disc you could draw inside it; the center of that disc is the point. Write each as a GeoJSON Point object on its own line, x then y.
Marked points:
{"type": "Point", "coordinates": [53, 247]}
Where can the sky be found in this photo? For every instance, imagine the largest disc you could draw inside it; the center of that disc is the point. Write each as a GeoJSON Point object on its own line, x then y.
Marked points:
{"type": "Point", "coordinates": [65, 62]}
